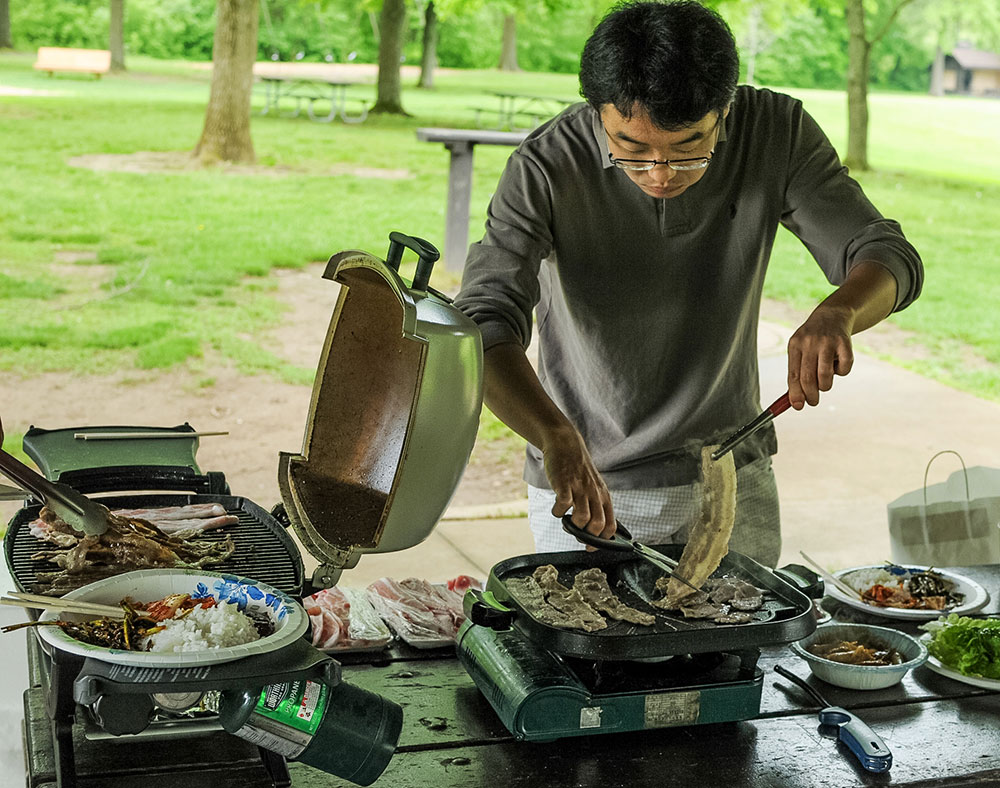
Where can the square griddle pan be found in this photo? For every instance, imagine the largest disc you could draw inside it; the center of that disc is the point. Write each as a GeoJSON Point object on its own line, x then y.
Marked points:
{"type": "Point", "coordinates": [785, 616]}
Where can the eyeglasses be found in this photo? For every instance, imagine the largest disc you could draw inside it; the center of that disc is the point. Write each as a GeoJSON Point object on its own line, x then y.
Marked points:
{"type": "Point", "coordinates": [678, 165]}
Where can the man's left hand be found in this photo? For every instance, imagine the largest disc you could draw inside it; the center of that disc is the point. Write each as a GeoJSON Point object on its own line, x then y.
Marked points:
{"type": "Point", "coordinates": [818, 350]}
{"type": "Point", "coordinates": [821, 347]}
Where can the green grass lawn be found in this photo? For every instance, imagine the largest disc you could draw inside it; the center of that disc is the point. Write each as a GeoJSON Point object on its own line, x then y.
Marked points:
{"type": "Point", "coordinates": [182, 259]}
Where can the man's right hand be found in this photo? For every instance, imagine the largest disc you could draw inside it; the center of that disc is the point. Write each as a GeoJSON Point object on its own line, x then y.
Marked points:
{"type": "Point", "coordinates": [513, 392]}
{"type": "Point", "coordinates": [578, 485]}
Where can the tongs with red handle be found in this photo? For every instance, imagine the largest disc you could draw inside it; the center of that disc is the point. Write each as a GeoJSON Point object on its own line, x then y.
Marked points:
{"type": "Point", "coordinates": [780, 405]}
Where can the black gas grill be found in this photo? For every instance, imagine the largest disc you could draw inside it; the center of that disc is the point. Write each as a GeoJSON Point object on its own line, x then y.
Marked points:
{"type": "Point", "coordinates": [264, 550]}
{"type": "Point", "coordinates": [62, 740]}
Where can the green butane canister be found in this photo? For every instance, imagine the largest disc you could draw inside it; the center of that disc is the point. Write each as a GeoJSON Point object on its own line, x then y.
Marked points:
{"type": "Point", "coordinates": [342, 730]}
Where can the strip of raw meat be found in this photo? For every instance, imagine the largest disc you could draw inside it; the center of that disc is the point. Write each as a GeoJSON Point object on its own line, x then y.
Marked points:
{"type": "Point", "coordinates": [592, 584]}
{"type": "Point", "coordinates": [189, 511]}
{"type": "Point", "coordinates": [416, 609]}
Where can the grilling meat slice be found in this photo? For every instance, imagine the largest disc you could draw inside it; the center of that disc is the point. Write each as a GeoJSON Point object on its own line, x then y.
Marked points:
{"type": "Point", "coordinates": [592, 585]}
{"type": "Point", "coordinates": [708, 541]}
{"type": "Point", "coordinates": [567, 600]}
{"type": "Point", "coordinates": [128, 543]}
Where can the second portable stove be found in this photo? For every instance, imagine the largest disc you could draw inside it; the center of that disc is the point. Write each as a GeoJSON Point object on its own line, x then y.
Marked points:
{"type": "Point", "coordinates": [546, 682]}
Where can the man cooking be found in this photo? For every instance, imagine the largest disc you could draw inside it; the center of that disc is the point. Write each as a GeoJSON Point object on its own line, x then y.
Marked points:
{"type": "Point", "coordinates": [638, 227]}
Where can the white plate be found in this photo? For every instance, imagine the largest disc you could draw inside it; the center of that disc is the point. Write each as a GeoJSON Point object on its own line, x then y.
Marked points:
{"type": "Point", "coordinates": [975, 596]}
{"type": "Point", "coordinates": [940, 668]}
{"type": "Point", "coordinates": [147, 585]}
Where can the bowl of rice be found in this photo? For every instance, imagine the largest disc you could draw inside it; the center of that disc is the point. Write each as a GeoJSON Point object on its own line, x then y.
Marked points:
{"type": "Point", "coordinates": [901, 652]}
{"type": "Point", "coordinates": [244, 618]}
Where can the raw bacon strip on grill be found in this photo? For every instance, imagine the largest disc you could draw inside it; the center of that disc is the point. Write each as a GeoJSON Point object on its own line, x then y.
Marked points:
{"type": "Point", "coordinates": [183, 521]}
{"type": "Point", "coordinates": [127, 544]}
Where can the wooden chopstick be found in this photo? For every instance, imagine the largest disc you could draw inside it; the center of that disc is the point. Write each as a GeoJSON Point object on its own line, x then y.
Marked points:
{"type": "Point", "coordinates": [41, 602]}
{"type": "Point", "coordinates": [119, 436]}
{"type": "Point", "coordinates": [831, 579]}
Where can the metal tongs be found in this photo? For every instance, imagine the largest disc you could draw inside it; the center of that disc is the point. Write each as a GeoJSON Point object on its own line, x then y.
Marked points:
{"type": "Point", "coordinates": [867, 746]}
{"type": "Point", "coordinates": [780, 405]}
{"type": "Point", "coordinates": [74, 508]}
{"type": "Point", "coordinates": [623, 541]}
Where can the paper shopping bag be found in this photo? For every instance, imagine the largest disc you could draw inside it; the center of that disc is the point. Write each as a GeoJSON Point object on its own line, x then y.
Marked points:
{"type": "Point", "coordinates": [952, 523]}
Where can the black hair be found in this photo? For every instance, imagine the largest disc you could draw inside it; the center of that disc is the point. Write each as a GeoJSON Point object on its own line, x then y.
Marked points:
{"type": "Point", "coordinates": [675, 60]}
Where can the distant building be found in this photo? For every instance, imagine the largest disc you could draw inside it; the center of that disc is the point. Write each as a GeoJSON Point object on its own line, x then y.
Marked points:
{"type": "Point", "coordinates": [972, 72]}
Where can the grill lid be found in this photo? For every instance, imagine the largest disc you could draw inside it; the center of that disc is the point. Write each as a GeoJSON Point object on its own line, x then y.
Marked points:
{"type": "Point", "coordinates": [393, 417]}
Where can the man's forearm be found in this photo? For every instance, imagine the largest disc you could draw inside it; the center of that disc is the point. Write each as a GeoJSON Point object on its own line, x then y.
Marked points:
{"type": "Point", "coordinates": [868, 295]}
{"type": "Point", "coordinates": [511, 390]}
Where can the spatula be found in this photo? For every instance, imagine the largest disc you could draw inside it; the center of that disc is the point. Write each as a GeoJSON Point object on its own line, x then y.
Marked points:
{"type": "Point", "coordinates": [75, 509]}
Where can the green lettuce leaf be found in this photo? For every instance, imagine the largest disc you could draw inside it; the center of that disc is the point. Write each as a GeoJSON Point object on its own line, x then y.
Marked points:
{"type": "Point", "coordinates": [969, 645]}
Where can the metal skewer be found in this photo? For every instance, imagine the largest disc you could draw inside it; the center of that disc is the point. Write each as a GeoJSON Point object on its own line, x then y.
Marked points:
{"type": "Point", "coordinates": [121, 436]}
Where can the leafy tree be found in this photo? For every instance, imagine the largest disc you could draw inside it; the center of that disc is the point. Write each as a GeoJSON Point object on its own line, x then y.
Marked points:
{"type": "Point", "coordinates": [951, 21]}
{"type": "Point", "coordinates": [392, 26]}
{"type": "Point", "coordinates": [117, 35]}
{"type": "Point", "coordinates": [226, 133]}
{"type": "Point", "coordinates": [859, 48]}
{"type": "Point", "coordinates": [428, 52]}
{"type": "Point", "coordinates": [6, 42]}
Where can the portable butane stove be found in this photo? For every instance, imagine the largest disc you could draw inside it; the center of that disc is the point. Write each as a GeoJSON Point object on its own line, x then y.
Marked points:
{"type": "Point", "coordinates": [547, 682]}
{"type": "Point", "coordinates": [392, 421]}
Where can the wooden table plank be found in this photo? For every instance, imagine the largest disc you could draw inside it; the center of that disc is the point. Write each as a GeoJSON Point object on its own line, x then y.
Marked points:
{"type": "Point", "coordinates": [934, 744]}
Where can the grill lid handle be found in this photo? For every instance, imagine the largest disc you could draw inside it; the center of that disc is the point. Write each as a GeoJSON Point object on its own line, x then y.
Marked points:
{"type": "Point", "coordinates": [425, 250]}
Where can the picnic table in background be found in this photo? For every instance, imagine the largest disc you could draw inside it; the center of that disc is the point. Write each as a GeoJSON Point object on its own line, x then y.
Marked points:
{"type": "Point", "coordinates": [519, 110]}
{"type": "Point", "coordinates": [460, 144]}
{"type": "Point", "coordinates": [308, 84]}
{"type": "Point", "coordinates": [81, 61]}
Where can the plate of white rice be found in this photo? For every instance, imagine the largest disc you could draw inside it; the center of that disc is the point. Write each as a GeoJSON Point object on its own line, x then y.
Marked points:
{"type": "Point", "coordinates": [224, 632]}
{"type": "Point", "coordinates": [861, 578]}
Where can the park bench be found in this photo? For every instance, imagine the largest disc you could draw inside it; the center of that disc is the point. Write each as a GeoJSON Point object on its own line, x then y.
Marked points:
{"type": "Point", "coordinates": [460, 144]}
{"type": "Point", "coordinates": [81, 61]}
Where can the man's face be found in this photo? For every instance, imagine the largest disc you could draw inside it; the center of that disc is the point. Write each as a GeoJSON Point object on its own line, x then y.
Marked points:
{"type": "Point", "coordinates": [638, 138]}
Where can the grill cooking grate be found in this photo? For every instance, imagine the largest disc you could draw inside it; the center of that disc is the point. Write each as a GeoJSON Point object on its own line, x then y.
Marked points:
{"type": "Point", "coordinates": [264, 550]}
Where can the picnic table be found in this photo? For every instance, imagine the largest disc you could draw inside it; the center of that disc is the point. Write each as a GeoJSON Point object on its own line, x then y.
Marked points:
{"type": "Point", "coordinates": [68, 59]}
{"type": "Point", "coordinates": [942, 733]}
{"type": "Point", "coordinates": [308, 84]}
{"type": "Point", "coordinates": [461, 144]}
{"type": "Point", "coordinates": [515, 111]}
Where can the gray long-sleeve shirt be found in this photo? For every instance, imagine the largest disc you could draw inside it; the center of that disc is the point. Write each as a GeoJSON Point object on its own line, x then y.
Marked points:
{"type": "Point", "coordinates": [647, 308]}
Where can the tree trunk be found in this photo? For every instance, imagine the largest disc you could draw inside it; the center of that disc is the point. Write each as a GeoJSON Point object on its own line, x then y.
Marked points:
{"type": "Point", "coordinates": [508, 49]}
{"type": "Point", "coordinates": [753, 40]}
{"type": "Point", "coordinates": [392, 24]}
{"type": "Point", "coordinates": [226, 135]}
{"type": "Point", "coordinates": [428, 61]}
{"type": "Point", "coordinates": [858, 53]}
{"type": "Point", "coordinates": [117, 35]}
{"type": "Point", "coordinates": [6, 42]}
{"type": "Point", "coordinates": [937, 73]}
